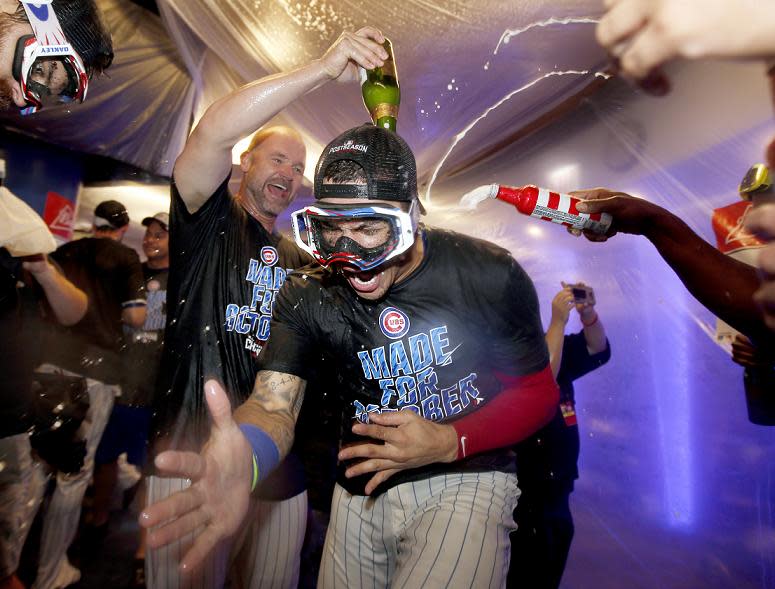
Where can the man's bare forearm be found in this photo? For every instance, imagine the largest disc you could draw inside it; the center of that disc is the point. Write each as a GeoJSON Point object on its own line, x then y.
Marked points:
{"type": "Point", "coordinates": [722, 284]}
{"type": "Point", "coordinates": [206, 159]}
{"type": "Point", "coordinates": [66, 300]}
{"type": "Point", "coordinates": [274, 407]}
{"type": "Point", "coordinates": [555, 336]}
{"type": "Point", "coordinates": [241, 112]}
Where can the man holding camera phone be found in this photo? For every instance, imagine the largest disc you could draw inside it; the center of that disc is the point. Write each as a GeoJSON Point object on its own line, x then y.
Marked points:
{"type": "Point", "coordinates": [547, 461]}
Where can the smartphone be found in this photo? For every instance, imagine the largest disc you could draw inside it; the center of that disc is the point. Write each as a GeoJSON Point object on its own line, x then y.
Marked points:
{"type": "Point", "coordinates": [582, 295]}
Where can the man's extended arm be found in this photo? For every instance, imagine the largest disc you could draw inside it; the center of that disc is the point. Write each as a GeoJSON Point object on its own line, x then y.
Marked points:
{"type": "Point", "coordinates": [724, 285]}
{"type": "Point", "coordinates": [555, 334]}
{"type": "Point", "coordinates": [215, 504]}
{"type": "Point", "coordinates": [644, 34]}
{"type": "Point", "coordinates": [66, 300]}
{"type": "Point", "coordinates": [206, 158]}
{"type": "Point", "coordinates": [525, 404]}
{"type": "Point", "coordinates": [274, 407]}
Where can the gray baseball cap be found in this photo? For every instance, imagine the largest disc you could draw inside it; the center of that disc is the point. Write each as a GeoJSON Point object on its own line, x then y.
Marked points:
{"type": "Point", "coordinates": [162, 219]}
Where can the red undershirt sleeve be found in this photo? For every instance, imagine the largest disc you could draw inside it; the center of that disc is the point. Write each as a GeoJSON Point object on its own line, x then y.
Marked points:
{"type": "Point", "coordinates": [525, 404]}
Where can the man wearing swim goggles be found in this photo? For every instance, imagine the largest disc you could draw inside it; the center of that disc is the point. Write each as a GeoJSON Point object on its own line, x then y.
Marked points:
{"type": "Point", "coordinates": [365, 229]}
{"type": "Point", "coordinates": [49, 50]}
{"type": "Point", "coordinates": [356, 235]}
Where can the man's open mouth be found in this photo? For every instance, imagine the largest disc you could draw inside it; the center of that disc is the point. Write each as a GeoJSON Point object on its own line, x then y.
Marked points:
{"type": "Point", "coordinates": [363, 282]}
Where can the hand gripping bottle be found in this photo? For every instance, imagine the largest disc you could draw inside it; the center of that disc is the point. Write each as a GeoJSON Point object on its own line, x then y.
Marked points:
{"type": "Point", "coordinates": [381, 94]}
{"type": "Point", "coordinates": [551, 206]}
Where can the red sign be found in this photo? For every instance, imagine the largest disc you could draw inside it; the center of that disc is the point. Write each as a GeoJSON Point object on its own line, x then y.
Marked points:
{"type": "Point", "coordinates": [728, 225]}
{"type": "Point", "coordinates": [59, 215]}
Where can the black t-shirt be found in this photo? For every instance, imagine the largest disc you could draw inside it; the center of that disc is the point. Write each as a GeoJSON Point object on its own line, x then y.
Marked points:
{"type": "Point", "coordinates": [111, 276]}
{"type": "Point", "coordinates": [431, 345]}
{"type": "Point", "coordinates": [552, 453]}
{"type": "Point", "coordinates": [21, 323]}
{"type": "Point", "coordinates": [225, 272]}
{"type": "Point", "coordinates": [144, 345]}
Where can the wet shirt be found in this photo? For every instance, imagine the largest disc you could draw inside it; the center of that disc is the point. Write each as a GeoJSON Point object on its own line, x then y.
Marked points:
{"type": "Point", "coordinates": [21, 323]}
{"type": "Point", "coordinates": [111, 276]}
{"type": "Point", "coordinates": [432, 345]}
{"type": "Point", "coordinates": [144, 345]}
{"type": "Point", "coordinates": [552, 453]}
{"type": "Point", "coordinates": [225, 272]}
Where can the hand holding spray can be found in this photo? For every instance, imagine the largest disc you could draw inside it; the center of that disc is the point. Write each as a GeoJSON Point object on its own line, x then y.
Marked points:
{"type": "Point", "coordinates": [549, 206]}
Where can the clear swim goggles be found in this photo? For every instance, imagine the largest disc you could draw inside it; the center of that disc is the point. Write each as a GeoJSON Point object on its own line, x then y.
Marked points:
{"type": "Point", "coordinates": [353, 234]}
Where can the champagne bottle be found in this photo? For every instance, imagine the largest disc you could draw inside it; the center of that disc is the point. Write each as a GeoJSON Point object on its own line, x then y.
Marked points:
{"type": "Point", "coordinates": [381, 94]}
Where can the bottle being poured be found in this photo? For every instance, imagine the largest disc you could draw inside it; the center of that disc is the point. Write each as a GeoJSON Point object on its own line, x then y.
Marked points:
{"type": "Point", "coordinates": [381, 93]}
{"type": "Point", "coordinates": [542, 204]}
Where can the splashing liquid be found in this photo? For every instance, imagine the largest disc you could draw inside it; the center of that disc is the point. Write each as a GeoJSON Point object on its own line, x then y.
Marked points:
{"type": "Point", "coordinates": [472, 199]}
{"type": "Point", "coordinates": [506, 37]}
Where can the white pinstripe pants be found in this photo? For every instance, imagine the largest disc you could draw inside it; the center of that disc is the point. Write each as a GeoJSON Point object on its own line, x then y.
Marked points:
{"type": "Point", "coordinates": [444, 531]}
{"type": "Point", "coordinates": [21, 490]}
{"type": "Point", "coordinates": [64, 510]}
{"type": "Point", "coordinates": [265, 553]}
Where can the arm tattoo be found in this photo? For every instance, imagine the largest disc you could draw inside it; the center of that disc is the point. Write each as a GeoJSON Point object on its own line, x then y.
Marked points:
{"type": "Point", "coordinates": [274, 406]}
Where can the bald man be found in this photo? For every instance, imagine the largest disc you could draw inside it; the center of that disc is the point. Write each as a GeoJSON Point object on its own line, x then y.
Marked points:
{"type": "Point", "coordinates": [226, 266]}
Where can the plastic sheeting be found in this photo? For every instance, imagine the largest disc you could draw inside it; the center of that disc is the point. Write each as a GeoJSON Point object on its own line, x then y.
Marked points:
{"type": "Point", "coordinates": [140, 112]}
{"type": "Point", "coordinates": [677, 487]}
{"type": "Point", "coordinates": [456, 60]}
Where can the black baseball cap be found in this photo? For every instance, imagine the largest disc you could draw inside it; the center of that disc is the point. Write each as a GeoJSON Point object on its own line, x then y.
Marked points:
{"type": "Point", "coordinates": [162, 219]}
{"type": "Point", "coordinates": [386, 159]}
{"type": "Point", "coordinates": [111, 213]}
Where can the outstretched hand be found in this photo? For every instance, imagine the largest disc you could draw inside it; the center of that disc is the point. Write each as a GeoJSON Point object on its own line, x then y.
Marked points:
{"type": "Point", "coordinates": [644, 34]}
{"type": "Point", "coordinates": [630, 214]}
{"type": "Point", "coordinates": [215, 504]}
{"type": "Point", "coordinates": [410, 441]}
{"type": "Point", "coordinates": [362, 48]}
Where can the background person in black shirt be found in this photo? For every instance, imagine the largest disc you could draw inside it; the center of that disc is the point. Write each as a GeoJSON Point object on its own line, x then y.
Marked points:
{"type": "Point", "coordinates": [110, 274]}
{"type": "Point", "coordinates": [129, 425]}
{"type": "Point", "coordinates": [547, 462]}
{"type": "Point", "coordinates": [482, 364]}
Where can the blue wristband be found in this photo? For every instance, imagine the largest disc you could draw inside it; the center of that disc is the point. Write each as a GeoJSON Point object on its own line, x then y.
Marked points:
{"type": "Point", "coordinates": [266, 456]}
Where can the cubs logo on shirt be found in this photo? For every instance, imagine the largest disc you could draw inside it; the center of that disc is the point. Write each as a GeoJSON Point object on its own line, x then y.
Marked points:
{"type": "Point", "coordinates": [268, 255]}
{"type": "Point", "coordinates": [253, 320]}
{"type": "Point", "coordinates": [393, 322]}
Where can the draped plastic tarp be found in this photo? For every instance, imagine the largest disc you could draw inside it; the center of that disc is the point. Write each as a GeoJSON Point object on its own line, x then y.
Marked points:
{"type": "Point", "coordinates": [456, 60]}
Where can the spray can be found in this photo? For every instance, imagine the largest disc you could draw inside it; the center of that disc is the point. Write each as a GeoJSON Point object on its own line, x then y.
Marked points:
{"type": "Point", "coordinates": [551, 206]}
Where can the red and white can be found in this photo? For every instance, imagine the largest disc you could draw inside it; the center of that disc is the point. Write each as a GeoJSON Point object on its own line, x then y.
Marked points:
{"type": "Point", "coordinates": [551, 206]}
